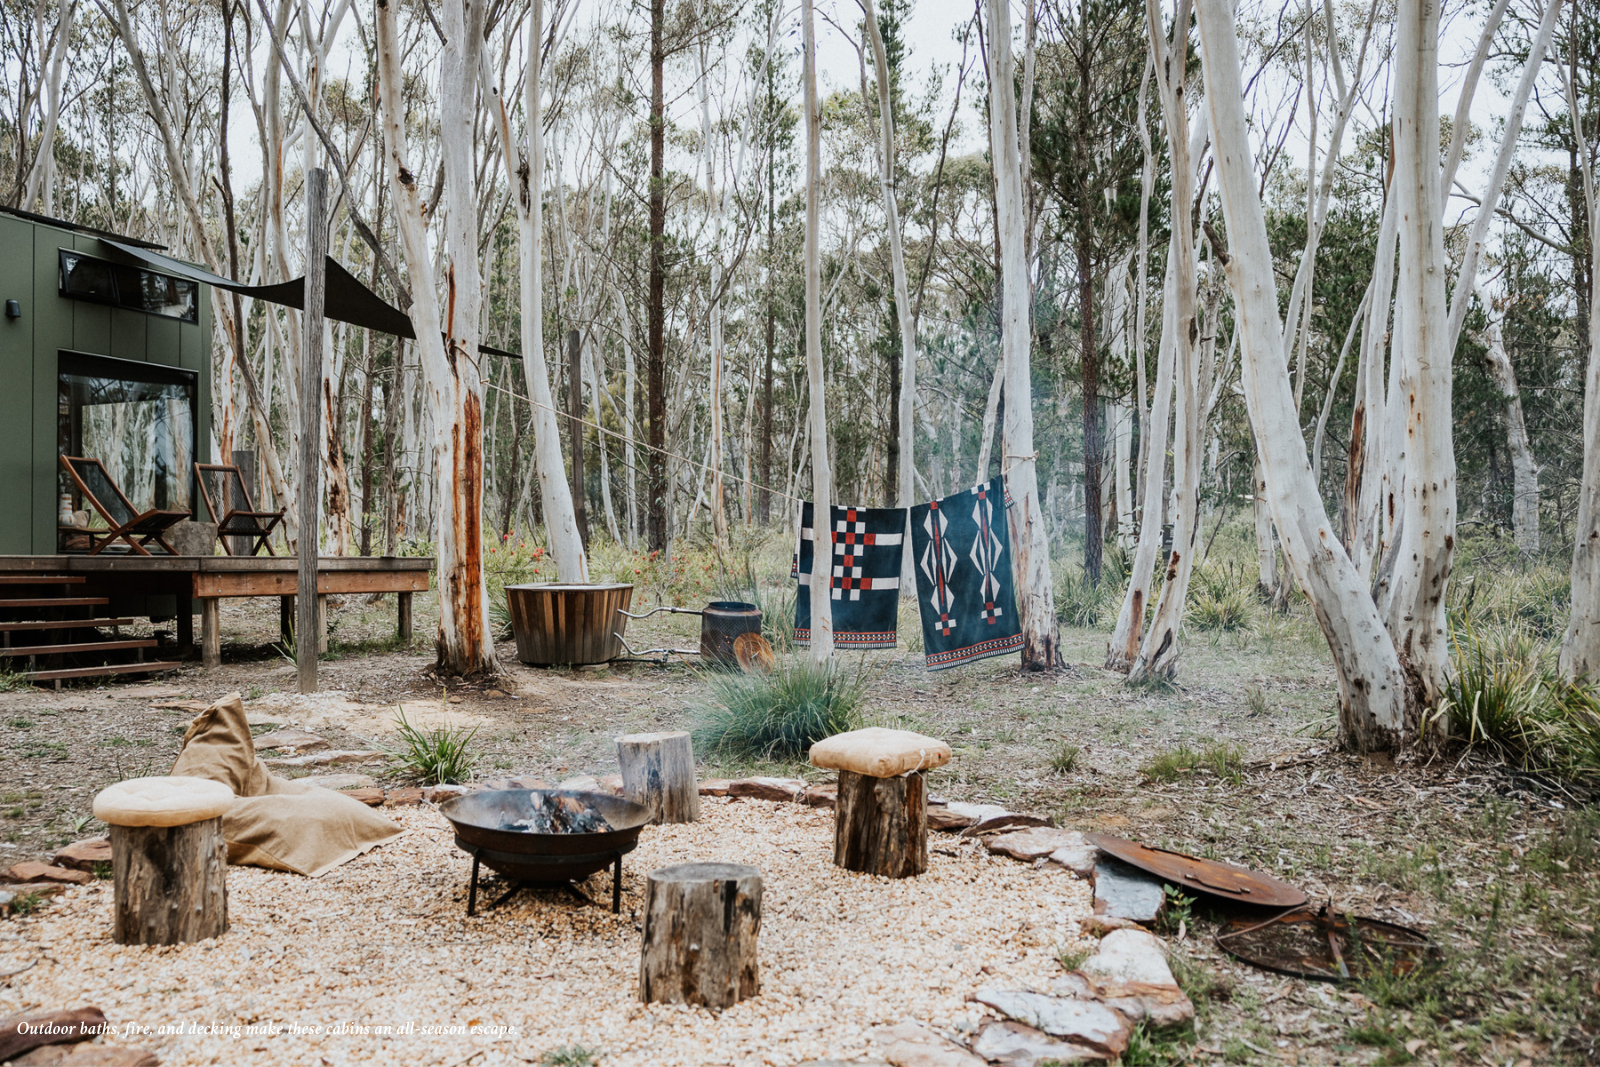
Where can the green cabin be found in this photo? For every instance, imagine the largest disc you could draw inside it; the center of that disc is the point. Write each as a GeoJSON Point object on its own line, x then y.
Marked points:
{"type": "Point", "coordinates": [101, 356]}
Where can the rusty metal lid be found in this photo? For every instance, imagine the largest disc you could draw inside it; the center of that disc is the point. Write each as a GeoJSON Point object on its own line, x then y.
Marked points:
{"type": "Point", "coordinates": [1326, 946]}
{"type": "Point", "coordinates": [1210, 877]}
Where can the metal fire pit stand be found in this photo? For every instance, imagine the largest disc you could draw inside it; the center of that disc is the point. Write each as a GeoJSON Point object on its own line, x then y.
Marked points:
{"type": "Point", "coordinates": [612, 858]}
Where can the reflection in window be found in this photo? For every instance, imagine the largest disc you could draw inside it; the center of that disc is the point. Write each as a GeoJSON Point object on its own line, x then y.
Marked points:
{"type": "Point", "coordinates": [86, 278]}
{"type": "Point", "coordinates": [137, 419]}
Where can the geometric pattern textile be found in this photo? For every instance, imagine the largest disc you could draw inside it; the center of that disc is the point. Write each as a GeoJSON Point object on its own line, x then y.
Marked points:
{"type": "Point", "coordinates": [864, 578]}
{"type": "Point", "coordinates": [964, 584]}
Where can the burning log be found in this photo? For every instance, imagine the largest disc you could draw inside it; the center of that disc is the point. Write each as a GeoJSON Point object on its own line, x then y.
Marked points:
{"type": "Point", "coordinates": [556, 814]}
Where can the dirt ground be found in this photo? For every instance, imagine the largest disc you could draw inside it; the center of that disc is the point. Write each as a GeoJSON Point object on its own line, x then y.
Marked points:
{"type": "Point", "coordinates": [1499, 868]}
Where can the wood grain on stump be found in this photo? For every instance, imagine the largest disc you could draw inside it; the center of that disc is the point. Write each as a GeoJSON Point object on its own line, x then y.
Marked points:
{"type": "Point", "coordinates": [701, 921]}
{"type": "Point", "coordinates": [170, 883]}
{"type": "Point", "coordinates": [881, 824]}
{"type": "Point", "coordinates": [658, 772]}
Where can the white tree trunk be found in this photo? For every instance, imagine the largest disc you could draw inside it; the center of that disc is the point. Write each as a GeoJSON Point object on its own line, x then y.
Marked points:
{"type": "Point", "coordinates": [821, 477]}
{"type": "Point", "coordinates": [40, 185]}
{"type": "Point", "coordinates": [1369, 428]}
{"type": "Point", "coordinates": [555, 492]}
{"type": "Point", "coordinates": [1158, 651]}
{"type": "Point", "coordinates": [1372, 694]}
{"type": "Point", "coordinates": [1036, 605]}
{"type": "Point", "coordinates": [902, 292]}
{"type": "Point", "coordinates": [1123, 647]}
{"type": "Point", "coordinates": [1524, 471]}
{"type": "Point", "coordinates": [1413, 598]}
{"type": "Point", "coordinates": [447, 346]}
{"type": "Point", "coordinates": [1580, 648]}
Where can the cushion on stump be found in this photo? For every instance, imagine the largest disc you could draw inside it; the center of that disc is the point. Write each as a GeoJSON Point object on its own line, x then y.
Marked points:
{"type": "Point", "coordinates": [167, 801]}
{"type": "Point", "coordinates": [880, 753]}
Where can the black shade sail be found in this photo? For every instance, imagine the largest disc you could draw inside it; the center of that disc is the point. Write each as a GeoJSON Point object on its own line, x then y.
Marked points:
{"type": "Point", "coordinates": [345, 300]}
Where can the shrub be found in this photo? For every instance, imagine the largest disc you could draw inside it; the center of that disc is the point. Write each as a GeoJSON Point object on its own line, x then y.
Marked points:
{"type": "Point", "coordinates": [1507, 695]}
{"type": "Point", "coordinates": [778, 715]}
{"type": "Point", "coordinates": [440, 755]}
{"type": "Point", "coordinates": [1082, 604]}
{"type": "Point", "coordinates": [1230, 612]}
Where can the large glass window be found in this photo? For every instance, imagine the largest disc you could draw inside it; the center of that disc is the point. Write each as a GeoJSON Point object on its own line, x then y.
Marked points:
{"type": "Point", "coordinates": [86, 278]}
{"type": "Point", "coordinates": [137, 419]}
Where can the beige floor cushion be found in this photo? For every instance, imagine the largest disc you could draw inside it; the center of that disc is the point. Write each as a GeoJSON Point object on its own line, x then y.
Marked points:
{"type": "Point", "coordinates": [168, 801]}
{"type": "Point", "coordinates": [275, 822]}
{"type": "Point", "coordinates": [880, 753]}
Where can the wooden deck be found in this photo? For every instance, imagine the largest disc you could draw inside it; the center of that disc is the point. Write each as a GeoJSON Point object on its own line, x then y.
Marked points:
{"type": "Point", "coordinates": [211, 579]}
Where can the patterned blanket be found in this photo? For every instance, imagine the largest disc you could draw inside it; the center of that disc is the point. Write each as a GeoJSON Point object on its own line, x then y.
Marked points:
{"type": "Point", "coordinates": [964, 583]}
{"type": "Point", "coordinates": [865, 577]}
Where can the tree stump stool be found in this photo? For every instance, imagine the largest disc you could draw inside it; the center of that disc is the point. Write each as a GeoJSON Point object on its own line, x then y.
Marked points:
{"type": "Point", "coordinates": [880, 819]}
{"type": "Point", "coordinates": [701, 921]}
{"type": "Point", "coordinates": [658, 772]}
{"type": "Point", "coordinates": [169, 859]}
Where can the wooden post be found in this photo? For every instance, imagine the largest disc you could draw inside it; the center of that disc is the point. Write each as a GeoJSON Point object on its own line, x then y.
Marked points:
{"type": "Point", "coordinates": [308, 639]}
{"type": "Point", "coordinates": [701, 922]}
{"type": "Point", "coordinates": [575, 428]}
{"type": "Point", "coordinates": [169, 883]}
{"type": "Point", "coordinates": [210, 632]}
{"type": "Point", "coordinates": [881, 824]}
{"type": "Point", "coordinates": [322, 624]}
{"type": "Point", "coordinates": [658, 772]}
{"type": "Point", "coordinates": [402, 607]}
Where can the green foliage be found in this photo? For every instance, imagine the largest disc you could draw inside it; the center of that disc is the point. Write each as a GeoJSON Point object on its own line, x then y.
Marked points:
{"type": "Point", "coordinates": [1065, 761]}
{"type": "Point", "coordinates": [778, 715]}
{"type": "Point", "coordinates": [11, 680]}
{"type": "Point", "coordinates": [1073, 958]}
{"type": "Point", "coordinates": [441, 755]}
{"type": "Point", "coordinates": [1081, 603]}
{"type": "Point", "coordinates": [1179, 912]}
{"type": "Point", "coordinates": [27, 903]}
{"type": "Point", "coordinates": [1221, 759]}
{"type": "Point", "coordinates": [1537, 599]}
{"type": "Point", "coordinates": [1506, 695]}
{"type": "Point", "coordinates": [570, 1056]}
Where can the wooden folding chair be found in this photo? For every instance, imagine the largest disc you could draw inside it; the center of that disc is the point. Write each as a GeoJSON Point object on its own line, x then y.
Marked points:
{"type": "Point", "coordinates": [126, 523]}
{"type": "Point", "coordinates": [235, 522]}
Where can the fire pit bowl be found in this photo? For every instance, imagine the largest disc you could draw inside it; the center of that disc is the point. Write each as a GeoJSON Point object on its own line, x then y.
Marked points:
{"type": "Point", "coordinates": [485, 829]}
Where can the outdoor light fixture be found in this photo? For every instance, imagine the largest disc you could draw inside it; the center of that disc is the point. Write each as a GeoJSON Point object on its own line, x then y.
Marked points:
{"type": "Point", "coordinates": [13, 309]}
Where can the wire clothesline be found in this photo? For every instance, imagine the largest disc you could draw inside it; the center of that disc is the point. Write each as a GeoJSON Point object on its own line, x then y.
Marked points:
{"type": "Point", "coordinates": [643, 444]}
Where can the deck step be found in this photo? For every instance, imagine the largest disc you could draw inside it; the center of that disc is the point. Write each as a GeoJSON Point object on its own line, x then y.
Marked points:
{"type": "Point", "coordinates": [63, 624]}
{"type": "Point", "coordinates": [42, 579]}
{"type": "Point", "coordinates": [95, 672]}
{"type": "Point", "coordinates": [56, 602]}
{"type": "Point", "coordinates": [78, 646]}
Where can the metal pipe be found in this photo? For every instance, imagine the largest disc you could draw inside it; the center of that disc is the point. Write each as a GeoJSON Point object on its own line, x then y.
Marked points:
{"type": "Point", "coordinates": [652, 611]}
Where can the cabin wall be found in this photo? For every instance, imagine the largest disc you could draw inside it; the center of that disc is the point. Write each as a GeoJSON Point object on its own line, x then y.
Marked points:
{"type": "Point", "coordinates": [50, 324]}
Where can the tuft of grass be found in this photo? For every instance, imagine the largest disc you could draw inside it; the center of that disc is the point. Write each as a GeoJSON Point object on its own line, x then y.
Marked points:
{"type": "Point", "coordinates": [1179, 912]}
{"type": "Point", "coordinates": [1256, 700]}
{"type": "Point", "coordinates": [1065, 761]}
{"type": "Point", "coordinates": [1222, 599]}
{"type": "Point", "coordinates": [1222, 759]}
{"type": "Point", "coordinates": [1507, 695]}
{"type": "Point", "coordinates": [570, 1056]}
{"type": "Point", "coordinates": [20, 724]}
{"type": "Point", "coordinates": [779, 715]}
{"type": "Point", "coordinates": [441, 755]}
{"type": "Point", "coordinates": [27, 903]}
{"type": "Point", "coordinates": [11, 680]}
{"type": "Point", "coordinates": [1071, 959]}
{"type": "Point", "coordinates": [1081, 603]}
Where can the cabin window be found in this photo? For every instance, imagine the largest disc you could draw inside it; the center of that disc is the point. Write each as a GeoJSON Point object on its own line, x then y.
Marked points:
{"type": "Point", "coordinates": [102, 282]}
{"type": "Point", "coordinates": [137, 419]}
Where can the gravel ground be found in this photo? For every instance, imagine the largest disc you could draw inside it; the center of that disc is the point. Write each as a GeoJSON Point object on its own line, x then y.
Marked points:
{"type": "Point", "coordinates": [384, 941]}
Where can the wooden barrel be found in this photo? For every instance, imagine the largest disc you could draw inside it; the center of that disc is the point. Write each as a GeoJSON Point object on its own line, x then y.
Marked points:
{"type": "Point", "coordinates": [568, 624]}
